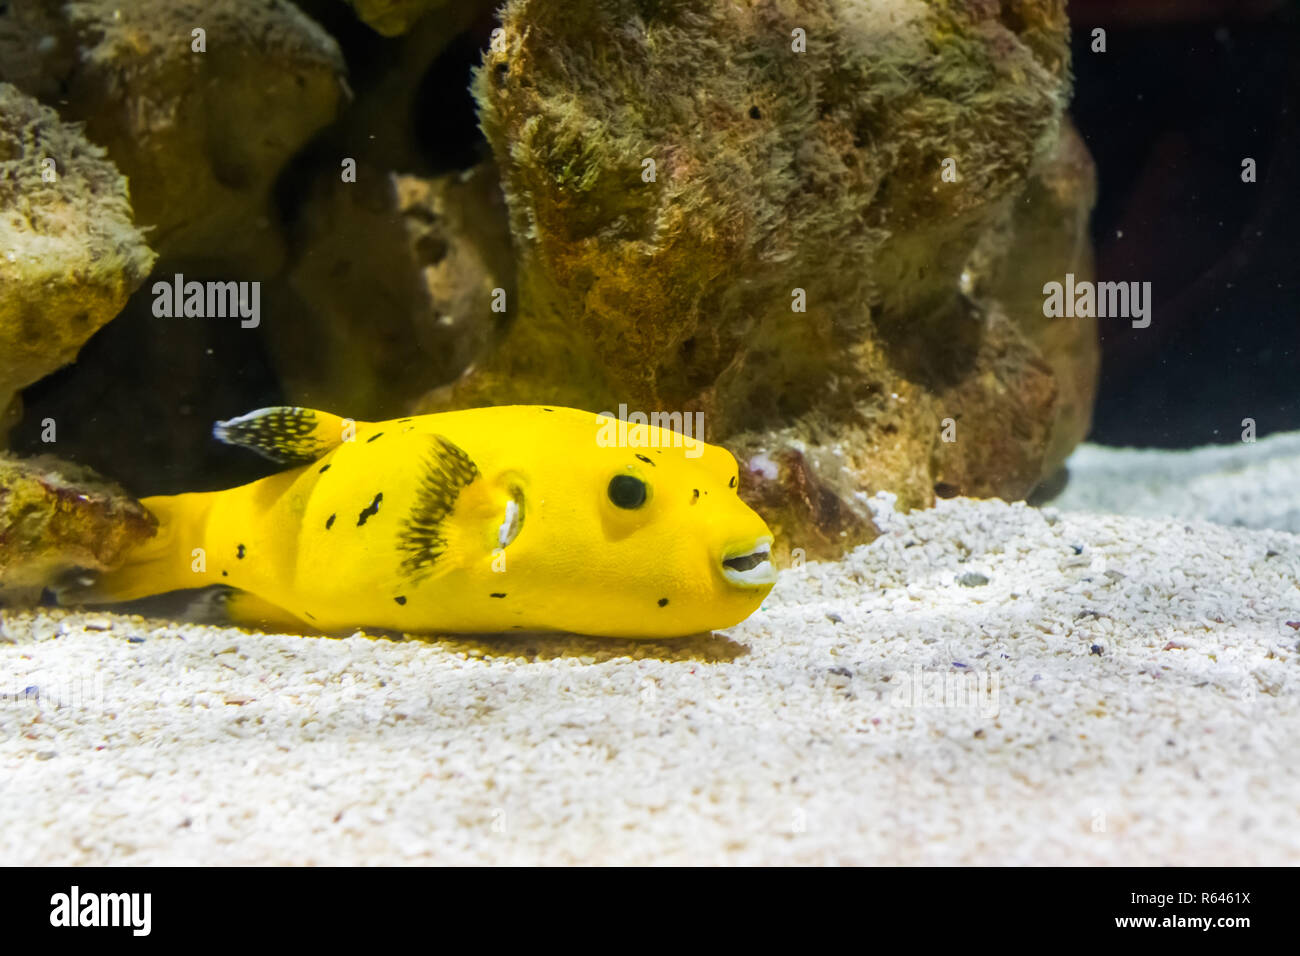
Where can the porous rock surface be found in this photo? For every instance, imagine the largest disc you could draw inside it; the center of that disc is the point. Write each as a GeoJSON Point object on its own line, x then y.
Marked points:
{"type": "Point", "coordinates": [56, 516]}
{"type": "Point", "coordinates": [202, 134]}
{"type": "Point", "coordinates": [681, 177]}
{"type": "Point", "coordinates": [70, 253]}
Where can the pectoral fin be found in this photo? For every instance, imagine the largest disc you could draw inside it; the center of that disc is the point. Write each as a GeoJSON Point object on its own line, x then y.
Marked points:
{"type": "Point", "coordinates": [286, 434]}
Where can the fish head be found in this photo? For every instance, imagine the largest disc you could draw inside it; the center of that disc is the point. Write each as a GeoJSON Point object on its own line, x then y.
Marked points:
{"type": "Point", "coordinates": [648, 538]}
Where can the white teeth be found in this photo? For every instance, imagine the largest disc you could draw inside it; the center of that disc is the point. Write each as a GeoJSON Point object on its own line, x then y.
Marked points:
{"type": "Point", "coordinates": [760, 574]}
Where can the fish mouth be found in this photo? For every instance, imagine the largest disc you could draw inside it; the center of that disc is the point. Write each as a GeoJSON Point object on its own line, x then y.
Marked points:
{"type": "Point", "coordinates": [750, 567]}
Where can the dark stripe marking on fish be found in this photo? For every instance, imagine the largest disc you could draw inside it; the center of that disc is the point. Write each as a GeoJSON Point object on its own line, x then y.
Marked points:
{"type": "Point", "coordinates": [446, 469]}
{"type": "Point", "coordinates": [370, 509]}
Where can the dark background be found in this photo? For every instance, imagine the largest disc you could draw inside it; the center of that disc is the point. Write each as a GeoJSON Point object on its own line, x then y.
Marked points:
{"type": "Point", "coordinates": [1185, 91]}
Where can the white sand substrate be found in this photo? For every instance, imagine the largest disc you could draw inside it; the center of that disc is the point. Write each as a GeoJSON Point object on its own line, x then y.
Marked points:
{"type": "Point", "coordinates": [986, 683]}
{"type": "Point", "coordinates": [1245, 484]}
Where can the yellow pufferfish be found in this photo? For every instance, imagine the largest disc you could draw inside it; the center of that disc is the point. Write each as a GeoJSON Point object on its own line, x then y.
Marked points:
{"type": "Point", "coordinates": [484, 520]}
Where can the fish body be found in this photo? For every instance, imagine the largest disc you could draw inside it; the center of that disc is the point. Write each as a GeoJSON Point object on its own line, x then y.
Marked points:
{"type": "Point", "coordinates": [483, 520]}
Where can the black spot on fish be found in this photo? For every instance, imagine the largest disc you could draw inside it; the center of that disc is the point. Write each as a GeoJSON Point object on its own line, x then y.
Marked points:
{"type": "Point", "coordinates": [402, 421]}
{"type": "Point", "coordinates": [239, 552]}
{"type": "Point", "coordinates": [646, 460]}
{"type": "Point", "coordinates": [225, 574]}
{"type": "Point", "coordinates": [696, 496]}
{"type": "Point", "coordinates": [663, 602]}
{"type": "Point", "coordinates": [497, 594]}
{"type": "Point", "coordinates": [374, 436]}
{"type": "Point", "coordinates": [400, 599]}
{"type": "Point", "coordinates": [548, 409]}
{"type": "Point", "coordinates": [323, 469]}
{"type": "Point", "coordinates": [329, 522]}
{"type": "Point", "coordinates": [310, 615]}
{"type": "Point", "coordinates": [370, 509]}
{"type": "Point", "coordinates": [732, 483]}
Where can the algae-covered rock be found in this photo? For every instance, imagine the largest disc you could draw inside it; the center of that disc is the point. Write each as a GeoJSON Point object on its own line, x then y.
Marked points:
{"type": "Point", "coordinates": [765, 212]}
{"type": "Point", "coordinates": [55, 516]}
{"type": "Point", "coordinates": [200, 102]}
{"type": "Point", "coordinates": [70, 254]}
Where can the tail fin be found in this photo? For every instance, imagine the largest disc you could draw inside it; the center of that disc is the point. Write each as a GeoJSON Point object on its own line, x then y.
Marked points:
{"type": "Point", "coordinates": [170, 561]}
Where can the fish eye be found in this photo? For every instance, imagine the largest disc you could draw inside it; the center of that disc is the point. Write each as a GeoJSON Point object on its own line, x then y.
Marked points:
{"type": "Point", "coordinates": [627, 491]}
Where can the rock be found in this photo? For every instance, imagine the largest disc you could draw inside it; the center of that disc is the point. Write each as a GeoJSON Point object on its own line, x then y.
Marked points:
{"type": "Point", "coordinates": [394, 17]}
{"type": "Point", "coordinates": [379, 302]}
{"type": "Point", "coordinates": [201, 135]}
{"type": "Point", "coordinates": [809, 517]}
{"type": "Point", "coordinates": [395, 276]}
{"type": "Point", "coordinates": [70, 254]}
{"type": "Point", "coordinates": [682, 181]}
{"type": "Point", "coordinates": [55, 516]}
{"type": "Point", "coordinates": [1047, 230]}
{"type": "Point", "coordinates": [457, 230]}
